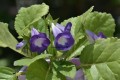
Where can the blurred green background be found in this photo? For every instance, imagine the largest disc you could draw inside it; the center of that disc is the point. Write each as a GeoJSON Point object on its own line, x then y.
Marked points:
{"type": "Point", "coordinates": [62, 9]}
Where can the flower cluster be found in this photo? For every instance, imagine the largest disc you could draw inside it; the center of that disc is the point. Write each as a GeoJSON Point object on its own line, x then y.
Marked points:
{"type": "Point", "coordinates": [39, 41]}
{"type": "Point", "coordinates": [63, 40]}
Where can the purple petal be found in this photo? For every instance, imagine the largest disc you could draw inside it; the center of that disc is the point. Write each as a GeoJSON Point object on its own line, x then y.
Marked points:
{"type": "Point", "coordinates": [79, 75]}
{"type": "Point", "coordinates": [22, 77]}
{"type": "Point", "coordinates": [23, 69]}
{"type": "Point", "coordinates": [43, 35]}
{"type": "Point", "coordinates": [60, 27]}
{"type": "Point", "coordinates": [34, 32]}
{"type": "Point", "coordinates": [68, 27]}
{"type": "Point", "coordinates": [64, 41]}
{"type": "Point", "coordinates": [21, 44]}
{"type": "Point", "coordinates": [39, 43]}
{"type": "Point", "coordinates": [56, 30]}
{"type": "Point", "coordinates": [101, 35]}
{"type": "Point", "coordinates": [91, 36]}
{"type": "Point", "coordinates": [75, 61]}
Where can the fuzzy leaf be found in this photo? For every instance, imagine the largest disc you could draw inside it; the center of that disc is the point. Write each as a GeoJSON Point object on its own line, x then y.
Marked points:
{"type": "Point", "coordinates": [7, 73]}
{"type": "Point", "coordinates": [28, 61]}
{"type": "Point", "coordinates": [27, 16]}
{"type": "Point", "coordinates": [7, 39]}
{"type": "Point", "coordinates": [37, 70]}
{"type": "Point", "coordinates": [100, 22]}
{"type": "Point", "coordinates": [56, 75]}
{"type": "Point", "coordinates": [65, 68]}
{"type": "Point", "coordinates": [101, 61]}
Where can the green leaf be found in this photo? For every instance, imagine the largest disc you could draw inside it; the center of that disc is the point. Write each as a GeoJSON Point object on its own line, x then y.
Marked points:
{"type": "Point", "coordinates": [50, 20]}
{"type": "Point", "coordinates": [37, 70]}
{"type": "Point", "coordinates": [27, 16]}
{"type": "Point", "coordinates": [76, 52]}
{"type": "Point", "coordinates": [28, 61]}
{"type": "Point", "coordinates": [100, 22]}
{"type": "Point", "coordinates": [65, 68]}
{"type": "Point", "coordinates": [2, 44]}
{"type": "Point", "coordinates": [41, 26]}
{"type": "Point", "coordinates": [101, 61]}
{"type": "Point", "coordinates": [56, 75]}
{"type": "Point", "coordinates": [7, 73]}
{"type": "Point", "coordinates": [6, 38]}
{"type": "Point", "coordinates": [76, 49]}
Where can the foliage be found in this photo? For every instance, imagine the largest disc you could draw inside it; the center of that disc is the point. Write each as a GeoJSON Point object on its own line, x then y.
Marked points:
{"type": "Point", "coordinates": [99, 60]}
{"type": "Point", "coordinates": [7, 73]}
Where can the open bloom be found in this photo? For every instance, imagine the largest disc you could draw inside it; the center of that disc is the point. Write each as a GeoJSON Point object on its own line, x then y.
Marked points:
{"type": "Point", "coordinates": [38, 41]}
{"type": "Point", "coordinates": [21, 44]}
{"type": "Point", "coordinates": [92, 36]}
{"type": "Point", "coordinates": [63, 38]}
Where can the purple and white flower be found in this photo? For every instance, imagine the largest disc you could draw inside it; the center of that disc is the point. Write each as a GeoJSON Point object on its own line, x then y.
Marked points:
{"type": "Point", "coordinates": [63, 38]}
{"type": "Point", "coordinates": [92, 36]}
{"type": "Point", "coordinates": [38, 41]}
{"type": "Point", "coordinates": [21, 44]}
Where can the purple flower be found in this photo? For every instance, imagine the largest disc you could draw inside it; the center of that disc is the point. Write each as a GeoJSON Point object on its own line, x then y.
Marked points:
{"type": "Point", "coordinates": [92, 36]}
{"type": "Point", "coordinates": [63, 38]}
{"type": "Point", "coordinates": [38, 41]}
{"type": "Point", "coordinates": [22, 77]}
{"type": "Point", "coordinates": [75, 61]}
{"type": "Point", "coordinates": [21, 44]}
{"type": "Point", "coordinates": [79, 73]}
{"type": "Point", "coordinates": [22, 70]}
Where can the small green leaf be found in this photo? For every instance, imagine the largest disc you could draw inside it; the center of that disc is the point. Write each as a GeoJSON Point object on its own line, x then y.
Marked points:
{"type": "Point", "coordinates": [28, 61]}
{"type": "Point", "coordinates": [57, 75]}
{"type": "Point", "coordinates": [76, 52]}
{"type": "Point", "coordinates": [20, 62]}
{"type": "Point", "coordinates": [101, 61]}
{"type": "Point", "coordinates": [50, 20]}
{"type": "Point", "coordinates": [27, 16]}
{"type": "Point", "coordinates": [6, 38]}
{"type": "Point", "coordinates": [7, 73]}
{"type": "Point", "coordinates": [65, 68]}
{"type": "Point", "coordinates": [76, 49]}
{"type": "Point", "coordinates": [37, 70]}
{"type": "Point", "coordinates": [41, 25]}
